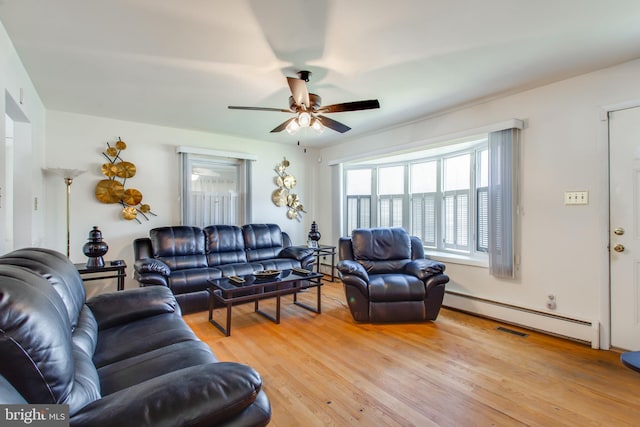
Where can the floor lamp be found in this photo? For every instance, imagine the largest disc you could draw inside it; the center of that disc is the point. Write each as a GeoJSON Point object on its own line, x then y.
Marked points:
{"type": "Point", "coordinates": [68, 175]}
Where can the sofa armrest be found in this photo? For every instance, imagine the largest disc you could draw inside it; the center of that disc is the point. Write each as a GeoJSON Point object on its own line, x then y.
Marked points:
{"type": "Point", "coordinates": [151, 279]}
{"type": "Point", "coordinates": [203, 395]}
{"type": "Point", "coordinates": [349, 267]}
{"type": "Point", "coordinates": [296, 252]}
{"type": "Point", "coordinates": [424, 268]}
{"type": "Point", "coordinates": [151, 265]}
{"type": "Point", "coordinates": [436, 281]}
{"type": "Point", "coordinates": [125, 306]}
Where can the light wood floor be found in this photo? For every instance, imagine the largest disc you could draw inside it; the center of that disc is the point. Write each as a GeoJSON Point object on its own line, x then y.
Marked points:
{"type": "Point", "coordinates": [327, 370]}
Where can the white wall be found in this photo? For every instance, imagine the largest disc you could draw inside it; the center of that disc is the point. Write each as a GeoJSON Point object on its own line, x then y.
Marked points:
{"type": "Point", "coordinates": [77, 141]}
{"type": "Point", "coordinates": [26, 103]}
{"type": "Point", "coordinates": [564, 147]}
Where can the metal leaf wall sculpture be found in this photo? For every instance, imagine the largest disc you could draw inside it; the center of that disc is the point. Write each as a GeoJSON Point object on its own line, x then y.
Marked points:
{"type": "Point", "coordinates": [283, 195]}
{"type": "Point", "coordinates": [113, 189]}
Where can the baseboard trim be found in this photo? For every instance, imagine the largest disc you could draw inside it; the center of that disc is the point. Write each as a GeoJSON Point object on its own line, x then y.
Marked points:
{"type": "Point", "coordinates": [551, 323]}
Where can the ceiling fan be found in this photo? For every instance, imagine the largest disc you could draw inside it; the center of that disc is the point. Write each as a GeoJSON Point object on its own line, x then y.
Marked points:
{"type": "Point", "coordinates": [308, 108]}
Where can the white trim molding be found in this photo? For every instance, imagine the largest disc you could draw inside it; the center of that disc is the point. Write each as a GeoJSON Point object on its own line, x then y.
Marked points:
{"type": "Point", "coordinates": [551, 323]}
{"type": "Point", "coordinates": [215, 153]}
{"type": "Point", "coordinates": [507, 124]}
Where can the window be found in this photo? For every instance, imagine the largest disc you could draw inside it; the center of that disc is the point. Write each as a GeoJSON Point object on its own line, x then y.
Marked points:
{"type": "Point", "coordinates": [482, 197]}
{"type": "Point", "coordinates": [439, 195]}
{"type": "Point", "coordinates": [390, 196]}
{"type": "Point", "coordinates": [214, 190]}
{"type": "Point", "coordinates": [358, 183]}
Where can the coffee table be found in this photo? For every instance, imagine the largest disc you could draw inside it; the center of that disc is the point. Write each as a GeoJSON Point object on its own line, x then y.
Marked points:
{"type": "Point", "coordinates": [229, 293]}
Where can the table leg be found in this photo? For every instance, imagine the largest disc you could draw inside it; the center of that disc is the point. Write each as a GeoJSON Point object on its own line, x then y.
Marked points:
{"type": "Point", "coordinates": [274, 319]}
{"type": "Point", "coordinates": [333, 266]}
{"type": "Point", "coordinates": [318, 308]}
{"type": "Point", "coordinates": [228, 319]}
{"type": "Point", "coordinates": [226, 331]}
{"type": "Point", "coordinates": [121, 279]}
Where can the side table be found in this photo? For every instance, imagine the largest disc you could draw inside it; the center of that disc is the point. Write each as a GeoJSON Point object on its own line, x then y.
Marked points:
{"type": "Point", "coordinates": [324, 250]}
{"type": "Point", "coordinates": [111, 270]}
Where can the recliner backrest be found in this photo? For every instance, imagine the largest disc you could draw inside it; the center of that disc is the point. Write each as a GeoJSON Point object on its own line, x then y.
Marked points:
{"type": "Point", "coordinates": [381, 250]}
{"type": "Point", "coordinates": [179, 247]}
{"type": "Point", "coordinates": [262, 241]}
{"type": "Point", "coordinates": [381, 244]}
{"type": "Point", "coordinates": [224, 245]}
{"type": "Point", "coordinates": [58, 271]}
{"type": "Point", "coordinates": [36, 352]}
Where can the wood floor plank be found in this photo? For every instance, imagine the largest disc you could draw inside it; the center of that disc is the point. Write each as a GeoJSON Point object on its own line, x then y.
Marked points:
{"type": "Point", "coordinates": [327, 370]}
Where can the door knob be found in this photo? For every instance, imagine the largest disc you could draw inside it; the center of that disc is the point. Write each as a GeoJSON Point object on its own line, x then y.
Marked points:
{"type": "Point", "coordinates": [618, 248]}
{"type": "Point", "coordinates": [618, 231]}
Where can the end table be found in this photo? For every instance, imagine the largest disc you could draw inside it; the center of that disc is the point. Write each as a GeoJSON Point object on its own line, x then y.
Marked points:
{"type": "Point", "coordinates": [322, 251]}
{"type": "Point", "coordinates": [111, 270]}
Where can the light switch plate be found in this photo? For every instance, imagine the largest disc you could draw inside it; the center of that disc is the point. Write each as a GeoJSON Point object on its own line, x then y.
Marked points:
{"type": "Point", "coordinates": [576, 197]}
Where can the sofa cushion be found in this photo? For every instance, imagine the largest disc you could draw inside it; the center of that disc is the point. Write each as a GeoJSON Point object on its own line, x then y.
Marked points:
{"type": "Point", "coordinates": [396, 287]}
{"type": "Point", "coordinates": [262, 241]}
{"type": "Point", "coordinates": [239, 269]}
{"type": "Point", "coordinates": [381, 244]}
{"type": "Point", "coordinates": [112, 309]}
{"type": "Point", "coordinates": [179, 247]}
{"type": "Point", "coordinates": [158, 331]}
{"type": "Point", "coordinates": [151, 364]}
{"type": "Point", "coordinates": [192, 280]}
{"type": "Point", "coordinates": [278, 264]}
{"type": "Point", "coordinates": [224, 245]}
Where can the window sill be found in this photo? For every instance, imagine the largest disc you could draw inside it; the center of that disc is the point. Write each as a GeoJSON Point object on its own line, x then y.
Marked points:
{"type": "Point", "coordinates": [449, 258]}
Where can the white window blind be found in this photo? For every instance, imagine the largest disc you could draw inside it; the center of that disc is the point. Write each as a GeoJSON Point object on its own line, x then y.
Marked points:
{"type": "Point", "coordinates": [504, 149]}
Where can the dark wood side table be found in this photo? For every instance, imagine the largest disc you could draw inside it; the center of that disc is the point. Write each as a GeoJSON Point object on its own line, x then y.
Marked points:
{"type": "Point", "coordinates": [111, 270]}
{"type": "Point", "coordinates": [325, 250]}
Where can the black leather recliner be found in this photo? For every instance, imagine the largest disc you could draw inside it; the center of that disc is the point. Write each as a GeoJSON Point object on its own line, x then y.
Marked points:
{"type": "Point", "coordinates": [120, 359]}
{"type": "Point", "coordinates": [387, 278]}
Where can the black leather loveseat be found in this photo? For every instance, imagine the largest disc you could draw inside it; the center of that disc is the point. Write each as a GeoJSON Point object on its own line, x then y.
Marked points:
{"type": "Point", "coordinates": [387, 277]}
{"type": "Point", "coordinates": [184, 258]}
{"type": "Point", "coordinates": [120, 359]}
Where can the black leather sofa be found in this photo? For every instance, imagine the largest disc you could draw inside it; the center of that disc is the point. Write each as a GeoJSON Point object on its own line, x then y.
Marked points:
{"type": "Point", "coordinates": [387, 278]}
{"type": "Point", "coordinates": [121, 359]}
{"type": "Point", "coordinates": [184, 258]}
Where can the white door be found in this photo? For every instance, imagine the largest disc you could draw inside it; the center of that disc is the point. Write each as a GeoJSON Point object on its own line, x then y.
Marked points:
{"type": "Point", "coordinates": [624, 257]}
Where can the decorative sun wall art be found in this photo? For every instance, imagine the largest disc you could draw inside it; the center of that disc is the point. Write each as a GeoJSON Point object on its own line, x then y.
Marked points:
{"type": "Point", "coordinates": [283, 196]}
{"type": "Point", "coordinates": [113, 190]}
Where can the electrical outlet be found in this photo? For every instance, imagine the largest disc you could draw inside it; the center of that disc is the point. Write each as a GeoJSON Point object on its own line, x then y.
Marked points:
{"type": "Point", "coordinates": [576, 197]}
{"type": "Point", "coordinates": [551, 302]}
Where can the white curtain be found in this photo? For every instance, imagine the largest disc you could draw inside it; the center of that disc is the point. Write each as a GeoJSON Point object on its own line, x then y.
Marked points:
{"type": "Point", "coordinates": [504, 149]}
{"type": "Point", "coordinates": [215, 190]}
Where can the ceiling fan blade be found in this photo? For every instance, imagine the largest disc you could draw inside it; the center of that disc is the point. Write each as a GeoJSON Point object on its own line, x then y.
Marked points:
{"type": "Point", "coordinates": [283, 126]}
{"type": "Point", "coordinates": [332, 124]}
{"type": "Point", "coordinates": [299, 91]}
{"type": "Point", "coordinates": [350, 106]}
{"type": "Point", "coordinates": [235, 107]}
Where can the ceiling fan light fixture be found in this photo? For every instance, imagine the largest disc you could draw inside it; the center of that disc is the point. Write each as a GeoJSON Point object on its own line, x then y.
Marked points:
{"type": "Point", "coordinates": [316, 125]}
{"type": "Point", "coordinates": [292, 127]}
{"type": "Point", "coordinates": [307, 108]}
{"type": "Point", "coordinates": [304, 119]}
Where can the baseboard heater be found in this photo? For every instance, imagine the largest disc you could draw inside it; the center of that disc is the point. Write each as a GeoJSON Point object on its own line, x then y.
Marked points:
{"type": "Point", "coordinates": [554, 324]}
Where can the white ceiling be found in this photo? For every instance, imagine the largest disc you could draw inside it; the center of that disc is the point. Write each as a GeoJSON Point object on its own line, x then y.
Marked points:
{"type": "Point", "coordinates": [181, 63]}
